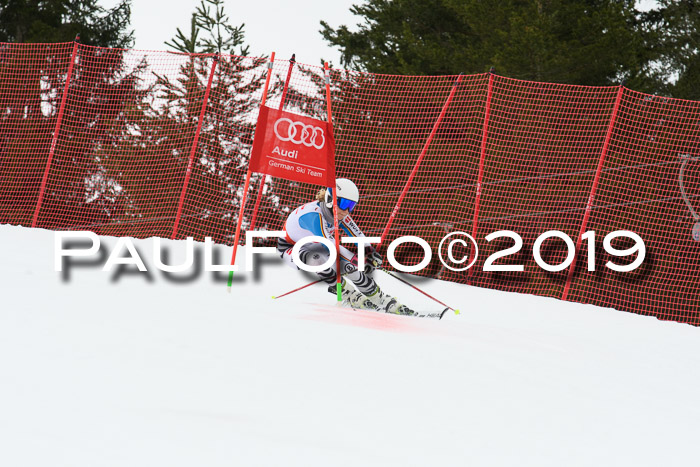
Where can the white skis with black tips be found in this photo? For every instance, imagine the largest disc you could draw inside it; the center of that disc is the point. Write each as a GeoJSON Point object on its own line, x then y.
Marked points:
{"type": "Point", "coordinates": [408, 312]}
{"type": "Point", "coordinates": [430, 314]}
{"type": "Point", "coordinates": [405, 311]}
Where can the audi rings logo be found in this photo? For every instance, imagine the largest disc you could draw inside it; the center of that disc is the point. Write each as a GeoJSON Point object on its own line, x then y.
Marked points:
{"type": "Point", "coordinates": [300, 133]}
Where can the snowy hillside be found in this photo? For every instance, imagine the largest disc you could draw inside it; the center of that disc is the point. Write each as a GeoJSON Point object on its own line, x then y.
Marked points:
{"type": "Point", "coordinates": [98, 369]}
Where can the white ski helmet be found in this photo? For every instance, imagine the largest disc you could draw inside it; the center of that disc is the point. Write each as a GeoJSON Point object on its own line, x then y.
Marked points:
{"type": "Point", "coordinates": [348, 194]}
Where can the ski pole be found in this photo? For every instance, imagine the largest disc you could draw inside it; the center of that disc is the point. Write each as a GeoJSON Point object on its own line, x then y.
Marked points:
{"type": "Point", "coordinates": [303, 287]}
{"type": "Point", "coordinates": [297, 289]}
{"type": "Point", "coordinates": [419, 290]}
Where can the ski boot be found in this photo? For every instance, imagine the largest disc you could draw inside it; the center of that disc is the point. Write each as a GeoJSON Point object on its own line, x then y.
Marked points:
{"type": "Point", "coordinates": [380, 301]}
{"type": "Point", "coordinates": [350, 297]}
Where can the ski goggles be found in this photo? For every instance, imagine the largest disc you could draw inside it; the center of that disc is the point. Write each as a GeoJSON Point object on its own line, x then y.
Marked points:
{"type": "Point", "coordinates": [344, 204]}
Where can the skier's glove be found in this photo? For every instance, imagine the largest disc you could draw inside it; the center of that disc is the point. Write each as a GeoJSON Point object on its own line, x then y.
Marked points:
{"type": "Point", "coordinates": [373, 260]}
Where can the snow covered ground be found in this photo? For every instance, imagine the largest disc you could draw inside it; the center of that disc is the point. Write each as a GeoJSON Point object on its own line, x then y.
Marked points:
{"type": "Point", "coordinates": [105, 370]}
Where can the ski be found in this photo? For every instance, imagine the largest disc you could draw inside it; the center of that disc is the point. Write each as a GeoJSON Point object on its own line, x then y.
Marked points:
{"type": "Point", "coordinates": [406, 311]}
{"type": "Point", "coordinates": [409, 312]}
{"type": "Point", "coordinates": [430, 314]}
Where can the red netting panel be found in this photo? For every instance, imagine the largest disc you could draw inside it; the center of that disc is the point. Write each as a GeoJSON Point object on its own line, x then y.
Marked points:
{"type": "Point", "coordinates": [298, 89]}
{"type": "Point", "coordinates": [382, 131]}
{"type": "Point", "coordinates": [125, 138]}
{"type": "Point", "coordinates": [32, 78]}
{"type": "Point", "coordinates": [214, 192]}
{"type": "Point", "coordinates": [157, 143]}
{"type": "Point", "coordinates": [543, 145]}
{"type": "Point", "coordinates": [381, 125]}
{"type": "Point", "coordinates": [655, 147]}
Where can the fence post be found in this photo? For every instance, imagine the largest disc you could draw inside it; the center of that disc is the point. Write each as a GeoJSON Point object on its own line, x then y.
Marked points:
{"type": "Point", "coordinates": [420, 157]}
{"type": "Point", "coordinates": [482, 159]}
{"type": "Point", "coordinates": [57, 128]}
{"type": "Point", "coordinates": [193, 151]}
{"type": "Point", "coordinates": [594, 188]}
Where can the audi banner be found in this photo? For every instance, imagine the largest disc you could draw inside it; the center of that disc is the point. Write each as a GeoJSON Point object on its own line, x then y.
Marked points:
{"type": "Point", "coordinates": [293, 147]}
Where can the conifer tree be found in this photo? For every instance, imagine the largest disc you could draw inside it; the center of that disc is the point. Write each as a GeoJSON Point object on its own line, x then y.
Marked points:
{"type": "Point", "coordinates": [33, 77]}
{"type": "Point", "coordinates": [227, 131]}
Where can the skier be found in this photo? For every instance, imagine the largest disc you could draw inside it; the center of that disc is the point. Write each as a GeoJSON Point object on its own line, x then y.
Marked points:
{"type": "Point", "coordinates": [316, 219]}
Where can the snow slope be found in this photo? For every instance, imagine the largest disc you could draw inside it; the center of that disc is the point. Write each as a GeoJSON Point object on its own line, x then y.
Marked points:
{"type": "Point", "coordinates": [105, 370]}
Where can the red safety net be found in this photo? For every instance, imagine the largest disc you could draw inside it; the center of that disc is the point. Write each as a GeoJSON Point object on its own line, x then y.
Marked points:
{"type": "Point", "coordinates": [135, 143]}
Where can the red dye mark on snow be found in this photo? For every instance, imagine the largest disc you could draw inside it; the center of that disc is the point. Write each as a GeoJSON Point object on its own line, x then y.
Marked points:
{"type": "Point", "coordinates": [362, 318]}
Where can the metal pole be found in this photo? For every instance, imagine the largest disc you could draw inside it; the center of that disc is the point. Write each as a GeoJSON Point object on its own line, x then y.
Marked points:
{"type": "Point", "coordinates": [264, 177]}
{"type": "Point", "coordinates": [338, 286]}
{"type": "Point", "coordinates": [482, 159]}
{"type": "Point", "coordinates": [193, 151]}
{"type": "Point", "coordinates": [420, 158]}
{"type": "Point", "coordinates": [419, 290]}
{"type": "Point", "coordinates": [686, 158]}
{"type": "Point", "coordinates": [594, 187]}
{"type": "Point", "coordinates": [238, 227]}
{"type": "Point", "coordinates": [247, 182]}
{"type": "Point", "coordinates": [57, 129]}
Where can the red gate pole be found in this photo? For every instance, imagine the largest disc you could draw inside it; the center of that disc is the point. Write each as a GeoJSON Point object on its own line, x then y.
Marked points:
{"type": "Point", "coordinates": [57, 128]}
{"type": "Point", "coordinates": [482, 159]}
{"type": "Point", "coordinates": [594, 188]}
{"type": "Point", "coordinates": [420, 158]}
{"type": "Point", "coordinates": [264, 177]}
{"type": "Point", "coordinates": [286, 82]}
{"type": "Point", "coordinates": [247, 181]}
{"type": "Point", "coordinates": [193, 151]}
{"type": "Point", "coordinates": [338, 287]}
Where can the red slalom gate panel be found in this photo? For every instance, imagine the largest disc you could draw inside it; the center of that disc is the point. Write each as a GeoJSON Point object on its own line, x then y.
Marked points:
{"type": "Point", "coordinates": [293, 147]}
{"type": "Point", "coordinates": [138, 151]}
